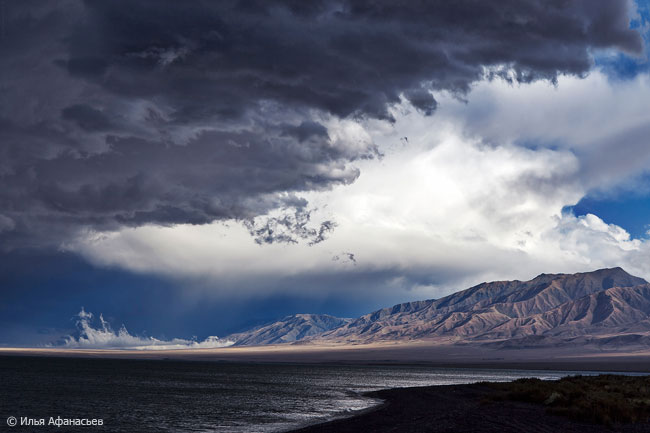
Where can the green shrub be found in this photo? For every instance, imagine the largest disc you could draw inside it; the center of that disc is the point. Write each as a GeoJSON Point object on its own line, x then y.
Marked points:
{"type": "Point", "coordinates": [605, 399]}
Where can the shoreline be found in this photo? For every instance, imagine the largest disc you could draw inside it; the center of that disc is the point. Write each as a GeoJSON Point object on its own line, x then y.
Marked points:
{"type": "Point", "coordinates": [381, 404]}
{"type": "Point", "coordinates": [457, 408]}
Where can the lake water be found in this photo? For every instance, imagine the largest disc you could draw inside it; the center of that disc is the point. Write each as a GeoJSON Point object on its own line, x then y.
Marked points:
{"type": "Point", "coordinates": [180, 396]}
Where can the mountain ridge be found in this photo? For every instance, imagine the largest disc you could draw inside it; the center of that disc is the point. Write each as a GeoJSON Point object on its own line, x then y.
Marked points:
{"type": "Point", "coordinates": [289, 329]}
{"type": "Point", "coordinates": [553, 306]}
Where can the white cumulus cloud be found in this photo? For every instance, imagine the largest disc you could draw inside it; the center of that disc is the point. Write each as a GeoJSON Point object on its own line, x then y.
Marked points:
{"type": "Point", "coordinates": [475, 192]}
{"type": "Point", "coordinates": [104, 337]}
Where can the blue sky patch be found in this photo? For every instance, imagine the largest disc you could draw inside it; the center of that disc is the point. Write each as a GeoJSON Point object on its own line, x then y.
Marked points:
{"type": "Point", "coordinates": [632, 212]}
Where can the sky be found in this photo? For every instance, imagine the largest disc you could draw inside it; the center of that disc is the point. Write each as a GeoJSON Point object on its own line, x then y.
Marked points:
{"type": "Point", "coordinates": [171, 171]}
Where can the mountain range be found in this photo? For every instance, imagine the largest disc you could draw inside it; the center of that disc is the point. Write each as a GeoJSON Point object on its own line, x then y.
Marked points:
{"type": "Point", "coordinates": [289, 329]}
{"type": "Point", "coordinates": [606, 307]}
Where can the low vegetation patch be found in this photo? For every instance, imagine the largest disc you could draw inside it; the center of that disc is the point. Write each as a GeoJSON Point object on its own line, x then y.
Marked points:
{"type": "Point", "coordinates": [606, 399]}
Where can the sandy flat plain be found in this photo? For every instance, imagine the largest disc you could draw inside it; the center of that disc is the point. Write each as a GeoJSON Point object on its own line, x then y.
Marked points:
{"type": "Point", "coordinates": [418, 352]}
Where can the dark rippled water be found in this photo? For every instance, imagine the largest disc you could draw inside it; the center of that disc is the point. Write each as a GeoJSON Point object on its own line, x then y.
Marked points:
{"type": "Point", "coordinates": [175, 396]}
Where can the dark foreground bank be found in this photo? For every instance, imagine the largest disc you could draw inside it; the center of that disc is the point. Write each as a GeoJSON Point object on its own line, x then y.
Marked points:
{"type": "Point", "coordinates": [602, 404]}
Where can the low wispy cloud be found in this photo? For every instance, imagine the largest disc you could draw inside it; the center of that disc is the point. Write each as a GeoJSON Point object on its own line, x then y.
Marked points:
{"type": "Point", "coordinates": [93, 335]}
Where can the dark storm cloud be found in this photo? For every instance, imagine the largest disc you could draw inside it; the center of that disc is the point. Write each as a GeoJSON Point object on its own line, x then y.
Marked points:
{"type": "Point", "coordinates": [306, 130]}
{"type": "Point", "coordinates": [138, 181]}
{"type": "Point", "coordinates": [133, 112]}
{"type": "Point", "coordinates": [344, 57]}
{"type": "Point", "coordinates": [86, 117]}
